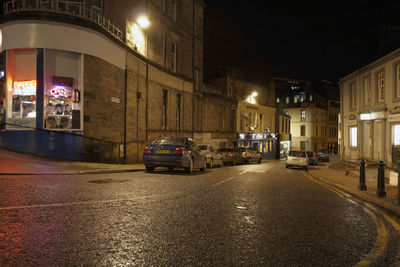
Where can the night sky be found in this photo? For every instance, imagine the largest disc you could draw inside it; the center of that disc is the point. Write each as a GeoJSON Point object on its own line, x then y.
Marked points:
{"type": "Point", "coordinates": [298, 39]}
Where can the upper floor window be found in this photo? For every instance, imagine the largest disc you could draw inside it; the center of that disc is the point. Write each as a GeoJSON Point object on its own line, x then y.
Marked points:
{"type": "Point", "coordinates": [381, 86]}
{"type": "Point", "coordinates": [302, 130]}
{"type": "Point", "coordinates": [170, 7]}
{"type": "Point", "coordinates": [367, 91]}
{"type": "Point", "coordinates": [287, 100]}
{"type": "Point", "coordinates": [178, 111]}
{"type": "Point", "coordinates": [397, 81]}
{"type": "Point", "coordinates": [97, 4]}
{"type": "Point", "coordinates": [173, 9]}
{"type": "Point", "coordinates": [174, 47]}
{"type": "Point", "coordinates": [303, 114]}
{"type": "Point", "coordinates": [296, 98]}
{"type": "Point", "coordinates": [353, 136]}
{"type": "Point", "coordinates": [277, 100]}
{"type": "Point", "coordinates": [353, 96]}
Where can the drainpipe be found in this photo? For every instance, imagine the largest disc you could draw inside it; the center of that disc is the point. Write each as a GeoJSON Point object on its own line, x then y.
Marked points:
{"type": "Point", "coordinates": [125, 104]}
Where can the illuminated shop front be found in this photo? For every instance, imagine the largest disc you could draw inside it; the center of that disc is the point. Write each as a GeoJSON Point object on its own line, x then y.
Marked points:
{"type": "Point", "coordinates": [265, 143]}
{"type": "Point", "coordinates": [43, 93]}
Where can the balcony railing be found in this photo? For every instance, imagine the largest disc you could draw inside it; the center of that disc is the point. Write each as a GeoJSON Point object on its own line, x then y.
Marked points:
{"type": "Point", "coordinates": [72, 8]}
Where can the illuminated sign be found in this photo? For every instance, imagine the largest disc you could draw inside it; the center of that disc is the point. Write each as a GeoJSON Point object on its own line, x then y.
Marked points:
{"type": "Point", "coordinates": [25, 87]}
{"type": "Point", "coordinates": [58, 91]}
{"type": "Point", "coordinates": [365, 116]}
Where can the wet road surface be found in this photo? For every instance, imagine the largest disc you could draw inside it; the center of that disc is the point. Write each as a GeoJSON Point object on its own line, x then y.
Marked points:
{"type": "Point", "coordinates": [240, 215]}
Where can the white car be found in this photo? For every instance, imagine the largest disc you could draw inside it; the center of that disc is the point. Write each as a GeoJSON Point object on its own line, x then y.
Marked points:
{"type": "Point", "coordinates": [297, 159]}
{"type": "Point", "coordinates": [213, 158]}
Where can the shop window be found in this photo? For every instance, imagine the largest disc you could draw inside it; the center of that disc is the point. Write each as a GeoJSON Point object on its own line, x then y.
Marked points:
{"type": "Point", "coordinates": [21, 89]}
{"type": "Point", "coordinates": [396, 135]}
{"type": "Point", "coordinates": [62, 91]}
{"type": "Point", "coordinates": [353, 136]}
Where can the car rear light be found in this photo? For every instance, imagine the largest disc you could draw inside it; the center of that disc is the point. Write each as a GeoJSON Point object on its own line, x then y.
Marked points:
{"type": "Point", "coordinates": [147, 150]}
{"type": "Point", "coordinates": [180, 150]}
{"type": "Point", "coordinates": [230, 154]}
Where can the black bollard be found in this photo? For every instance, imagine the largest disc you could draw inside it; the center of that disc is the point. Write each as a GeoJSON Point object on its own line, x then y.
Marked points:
{"type": "Point", "coordinates": [362, 186]}
{"type": "Point", "coordinates": [381, 180]}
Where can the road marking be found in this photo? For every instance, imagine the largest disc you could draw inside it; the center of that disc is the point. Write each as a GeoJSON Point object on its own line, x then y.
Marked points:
{"type": "Point", "coordinates": [380, 242]}
{"type": "Point", "coordinates": [240, 173]}
{"type": "Point", "coordinates": [74, 203]}
{"type": "Point", "coordinates": [224, 181]}
{"type": "Point", "coordinates": [382, 232]}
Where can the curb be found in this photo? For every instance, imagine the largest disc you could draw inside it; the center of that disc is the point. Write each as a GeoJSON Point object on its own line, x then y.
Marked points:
{"type": "Point", "coordinates": [389, 207]}
{"type": "Point", "coordinates": [75, 173]}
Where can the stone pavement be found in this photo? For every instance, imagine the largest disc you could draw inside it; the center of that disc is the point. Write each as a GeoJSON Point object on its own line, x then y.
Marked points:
{"type": "Point", "coordinates": [349, 183]}
{"type": "Point", "coordinates": [15, 163]}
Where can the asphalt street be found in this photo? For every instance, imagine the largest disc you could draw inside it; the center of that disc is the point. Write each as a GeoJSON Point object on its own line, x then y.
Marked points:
{"type": "Point", "coordinates": [257, 214]}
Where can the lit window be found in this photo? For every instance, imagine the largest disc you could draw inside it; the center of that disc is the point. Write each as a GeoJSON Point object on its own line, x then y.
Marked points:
{"type": "Point", "coordinates": [296, 98]}
{"type": "Point", "coordinates": [303, 114]}
{"type": "Point", "coordinates": [396, 134]}
{"type": "Point", "coordinates": [277, 100]}
{"type": "Point", "coordinates": [353, 136]}
{"type": "Point", "coordinates": [310, 97]}
{"type": "Point", "coordinates": [287, 100]}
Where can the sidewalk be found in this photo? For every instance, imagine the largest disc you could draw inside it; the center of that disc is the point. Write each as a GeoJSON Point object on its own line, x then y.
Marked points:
{"type": "Point", "coordinates": [349, 183]}
{"type": "Point", "coordinates": [15, 163]}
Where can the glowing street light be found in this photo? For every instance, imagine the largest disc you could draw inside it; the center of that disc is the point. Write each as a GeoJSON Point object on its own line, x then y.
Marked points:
{"type": "Point", "coordinates": [254, 94]}
{"type": "Point", "coordinates": [143, 21]}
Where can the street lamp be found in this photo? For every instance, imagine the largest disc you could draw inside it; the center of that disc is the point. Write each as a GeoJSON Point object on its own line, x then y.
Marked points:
{"type": "Point", "coordinates": [252, 98]}
{"type": "Point", "coordinates": [143, 21]}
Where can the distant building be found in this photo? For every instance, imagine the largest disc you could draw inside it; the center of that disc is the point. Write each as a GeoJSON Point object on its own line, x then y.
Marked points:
{"type": "Point", "coordinates": [370, 111]}
{"type": "Point", "coordinates": [312, 116]}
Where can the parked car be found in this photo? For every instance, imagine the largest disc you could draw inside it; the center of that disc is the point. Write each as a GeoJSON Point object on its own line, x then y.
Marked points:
{"type": "Point", "coordinates": [297, 159]}
{"type": "Point", "coordinates": [312, 158]}
{"type": "Point", "coordinates": [323, 154]}
{"type": "Point", "coordinates": [174, 152]}
{"type": "Point", "coordinates": [250, 154]}
{"type": "Point", "coordinates": [212, 157]}
{"type": "Point", "coordinates": [231, 156]}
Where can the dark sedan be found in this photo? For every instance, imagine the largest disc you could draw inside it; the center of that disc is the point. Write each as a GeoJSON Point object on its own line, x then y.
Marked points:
{"type": "Point", "coordinates": [231, 156]}
{"type": "Point", "coordinates": [174, 152]}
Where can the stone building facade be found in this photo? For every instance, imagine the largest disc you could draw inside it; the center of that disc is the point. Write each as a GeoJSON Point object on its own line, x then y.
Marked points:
{"type": "Point", "coordinates": [370, 111]}
{"type": "Point", "coordinates": [86, 80]}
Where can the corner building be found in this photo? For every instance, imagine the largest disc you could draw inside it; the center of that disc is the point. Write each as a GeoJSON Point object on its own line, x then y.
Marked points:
{"type": "Point", "coordinates": [88, 80]}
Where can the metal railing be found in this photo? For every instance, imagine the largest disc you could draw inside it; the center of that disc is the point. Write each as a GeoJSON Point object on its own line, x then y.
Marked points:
{"type": "Point", "coordinates": [71, 8]}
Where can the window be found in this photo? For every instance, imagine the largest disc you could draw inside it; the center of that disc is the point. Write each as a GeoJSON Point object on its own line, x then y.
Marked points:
{"type": "Point", "coordinates": [316, 115]}
{"type": "Point", "coordinates": [277, 100]}
{"type": "Point", "coordinates": [97, 4]}
{"type": "Point", "coordinates": [303, 114]}
{"type": "Point", "coordinates": [397, 81]}
{"type": "Point", "coordinates": [173, 9]}
{"type": "Point", "coordinates": [164, 49]}
{"type": "Point", "coordinates": [197, 78]}
{"type": "Point", "coordinates": [367, 91]}
{"type": "Point", "coordinates": [311, 98]}
{"type": "Point", "coordinates": [396, 134]}
{"type": "Point", "coordinates": [381, 86]}
{"type": "Point", "coordinates": [164, 109]}
{"type": "Point", "coordinates": [353, 96]}
{"type": "Point", "coordinates": [174, 45]}
{"type": "Point", "coordinates": [287, 100]}
{"type": "Point", "coordinates": [296, 98]}
{"type": "Point", "coordinates": [164, 6]}
{"type": "Point", "coordinates": [302, 145]}
{"type": "Point", "coordinates": [353, 136]}
{"type": "Point", "coordinates": [316, 130]}
{"type": "Point", "coordinates": [178, 111]}
{"type": "Point", "coordinates": [302, 130]}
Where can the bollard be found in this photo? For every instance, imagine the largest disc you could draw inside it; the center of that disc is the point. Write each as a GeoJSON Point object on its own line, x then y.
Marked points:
{"type": "Point", "coordinates": [381, 180]}
{"type": "Point", "coordinates": [362, 186]}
